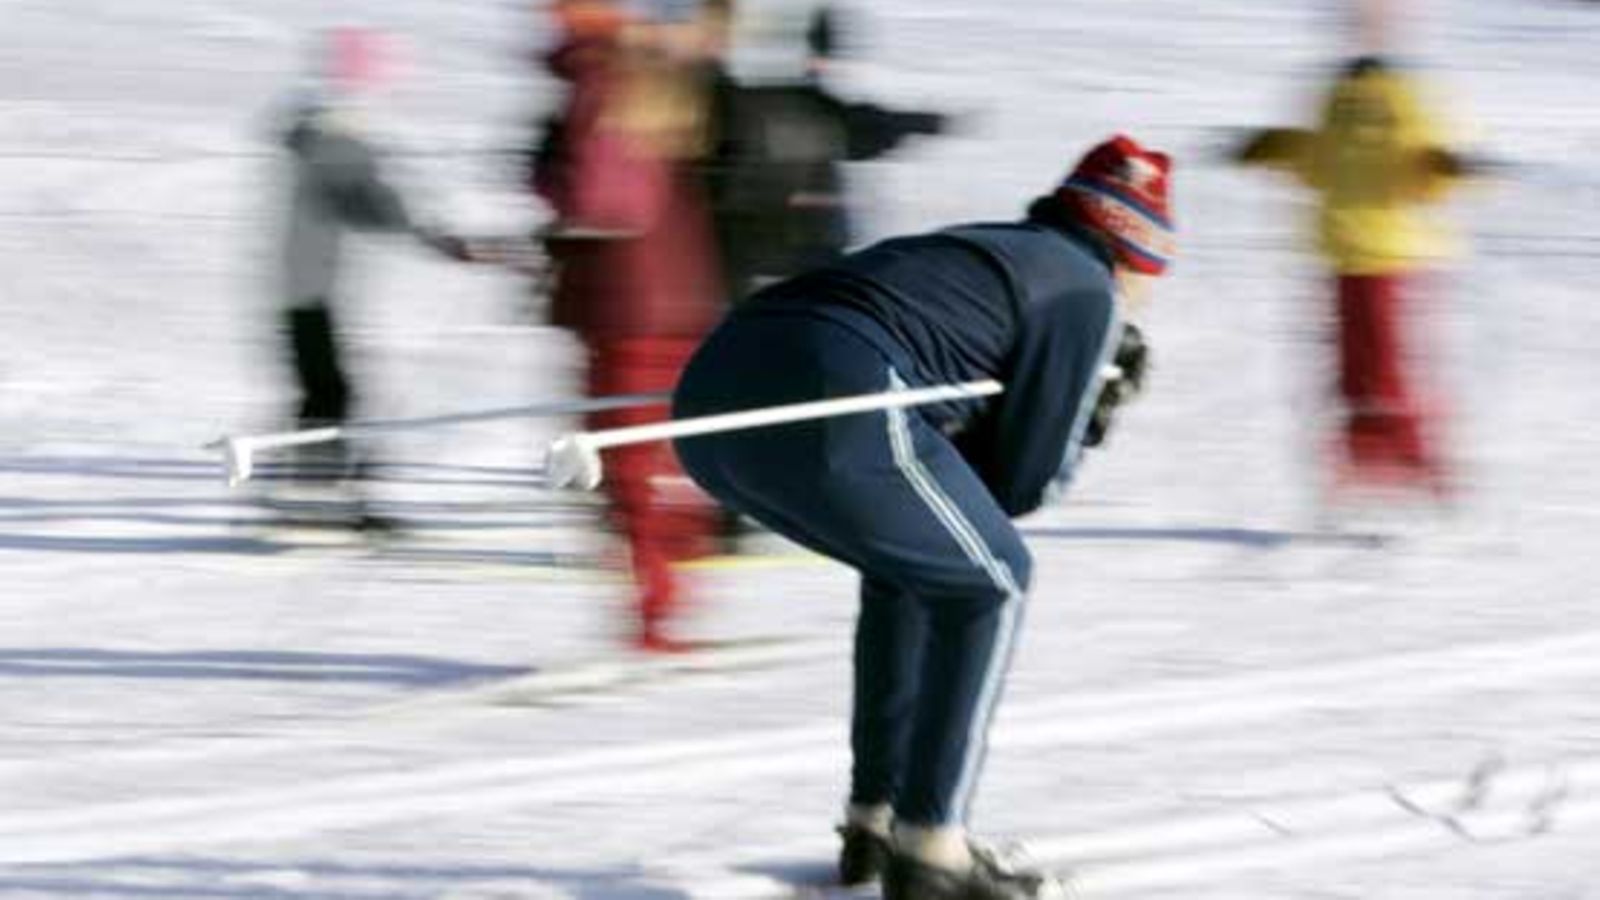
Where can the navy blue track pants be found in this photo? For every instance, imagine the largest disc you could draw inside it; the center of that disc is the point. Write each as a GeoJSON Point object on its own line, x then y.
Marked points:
{"type": "Point", "coordinates": [943, 571]}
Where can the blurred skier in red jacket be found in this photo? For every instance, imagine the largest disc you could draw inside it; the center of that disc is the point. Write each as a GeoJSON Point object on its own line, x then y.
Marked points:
{"type": "Point", "coordinates": [636, 276]}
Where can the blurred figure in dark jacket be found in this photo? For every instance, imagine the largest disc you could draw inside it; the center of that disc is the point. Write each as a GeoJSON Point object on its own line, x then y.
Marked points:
{"type": "Point", "coordinates": [775, 164]}
{"type": "Point", "coordinates": [636, 279]}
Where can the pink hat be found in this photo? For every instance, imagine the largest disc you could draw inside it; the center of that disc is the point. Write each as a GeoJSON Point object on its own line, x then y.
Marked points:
{"type": "Point", "coordinates": [357, 59]}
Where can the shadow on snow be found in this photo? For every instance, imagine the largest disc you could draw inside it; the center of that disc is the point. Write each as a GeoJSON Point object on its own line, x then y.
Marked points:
{"type": "Point", "coordinates": [1253, 538]}
{"type": "Point", "coordinates": [209, 878]}
{"type": "Point", "coordinates": [247, 665]}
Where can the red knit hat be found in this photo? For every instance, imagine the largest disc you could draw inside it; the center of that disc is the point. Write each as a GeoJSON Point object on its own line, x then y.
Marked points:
{"type": "Point", "coordinates": [1119, 190]}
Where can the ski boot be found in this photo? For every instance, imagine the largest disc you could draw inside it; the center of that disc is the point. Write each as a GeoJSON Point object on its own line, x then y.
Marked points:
{"type": "Point", "coordinates": [863, 855]}
{"type": "Point", "coordinates": [990, 877]}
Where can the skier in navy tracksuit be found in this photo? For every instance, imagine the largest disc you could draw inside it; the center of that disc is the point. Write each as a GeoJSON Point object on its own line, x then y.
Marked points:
{"type": "Point", "coordinates": [920, 500]}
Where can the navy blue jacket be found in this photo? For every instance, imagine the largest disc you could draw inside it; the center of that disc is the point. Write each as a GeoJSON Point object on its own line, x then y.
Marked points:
{"type": "Point", "coordinates": [1029, 304]}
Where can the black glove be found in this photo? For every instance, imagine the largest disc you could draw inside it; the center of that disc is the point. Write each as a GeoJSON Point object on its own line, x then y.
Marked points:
{"type": "Point", "coordinates": [1132, 362]}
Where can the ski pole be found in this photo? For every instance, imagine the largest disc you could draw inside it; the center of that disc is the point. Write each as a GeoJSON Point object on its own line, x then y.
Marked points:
{"type": "Point", "coordinates": [238, 451]}
{"type": "Point", "coordinates": [573, 460]}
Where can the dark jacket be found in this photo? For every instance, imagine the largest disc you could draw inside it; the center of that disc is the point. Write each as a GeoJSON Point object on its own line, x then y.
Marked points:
{"type": "Point", "coordinates": [774, 175]}
{"type": "Point", "coordinates": [1026, 303]}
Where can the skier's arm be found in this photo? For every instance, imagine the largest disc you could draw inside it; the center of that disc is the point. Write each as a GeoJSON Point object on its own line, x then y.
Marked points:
{"type": "Point", "coordinates": [360, 191]}
{"type": "Point", "coordinates": [1281, 149]}
{"type": "Point", "coordinates": [1028, 445]}
{"type": "Point", "coordinates": [1438, 168]}
{"type": "Point", "coordinates": [872, 131]}
{"type": "Point", "coordinates": [365, 198]}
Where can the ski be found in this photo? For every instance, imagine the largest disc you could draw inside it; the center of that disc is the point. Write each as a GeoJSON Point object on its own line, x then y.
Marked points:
{"type": "Point", "coordinates": [617, 673]}
{"type": "Point", "coordinates": [565, 683]}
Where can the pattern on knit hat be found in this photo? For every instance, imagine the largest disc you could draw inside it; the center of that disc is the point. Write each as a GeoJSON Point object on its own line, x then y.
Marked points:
{"type": "Point", "coordinates": [1119, 190]}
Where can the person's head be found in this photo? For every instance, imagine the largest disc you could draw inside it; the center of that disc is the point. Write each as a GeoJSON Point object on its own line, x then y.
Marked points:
{"type": "Point", "coordinates": [350, 76]}
{"type": "Point", "coordinates": [1118, 195]}
{"type": "Point", "coordinates": [823, 41]}
{"type": "Point", "coordinates": [357, 62]}
{"type": "Point", "coordinates": [1374, 24]}
{"type": "Point", "coordinates": [717, 18]}
{"type": "Point", "coordinates": [578, 20]}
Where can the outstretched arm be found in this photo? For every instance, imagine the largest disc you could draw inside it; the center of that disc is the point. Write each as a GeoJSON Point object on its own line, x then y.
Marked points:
{"type": "Point", "coordinates": [872, 131]}
{"type": "Point", "coordinates": [1282, 149]}
{"type": "Point", "coordinates": [358, 188]}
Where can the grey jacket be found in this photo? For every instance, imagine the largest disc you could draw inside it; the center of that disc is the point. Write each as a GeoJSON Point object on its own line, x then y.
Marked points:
{"type": "Point", "coordinates": [337, 185]}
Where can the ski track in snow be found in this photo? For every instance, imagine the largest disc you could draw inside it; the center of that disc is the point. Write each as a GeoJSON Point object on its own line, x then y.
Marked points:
{"type": "Point", "coordinates": [145, 827]}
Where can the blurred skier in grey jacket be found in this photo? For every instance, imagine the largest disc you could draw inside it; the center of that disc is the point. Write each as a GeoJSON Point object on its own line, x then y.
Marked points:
{"type": "Point", "coordinates": [336, 186]}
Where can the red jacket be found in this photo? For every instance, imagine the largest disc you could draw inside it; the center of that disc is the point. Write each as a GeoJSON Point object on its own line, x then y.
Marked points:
{"type": "Point", "coordinates": [632, 241]}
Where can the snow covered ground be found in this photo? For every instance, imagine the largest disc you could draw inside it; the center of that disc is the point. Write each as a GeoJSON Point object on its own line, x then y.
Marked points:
{"type": "Point", "coordinates": [1212, 700]}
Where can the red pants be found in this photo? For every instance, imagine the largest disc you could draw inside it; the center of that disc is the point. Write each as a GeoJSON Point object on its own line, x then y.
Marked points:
{"type": "Point", "coordinates": [657, 510]}
{"type": "Point", "coordinates": [1386, 420]}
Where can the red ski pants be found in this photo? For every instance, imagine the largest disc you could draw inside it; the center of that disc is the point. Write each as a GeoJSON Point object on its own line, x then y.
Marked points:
{"type": "Point", "coordinates": [1386, 419]}
{"type": "Point", "coordinates": [653, 505]}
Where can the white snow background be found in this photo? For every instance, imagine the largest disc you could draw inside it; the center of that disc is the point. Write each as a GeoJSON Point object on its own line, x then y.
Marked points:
{"type": "Point", "coordinates": [1212, 700]}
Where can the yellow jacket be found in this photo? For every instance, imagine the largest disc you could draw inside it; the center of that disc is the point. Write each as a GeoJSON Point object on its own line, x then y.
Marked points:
{"type": "Point", "coordinates": [1376, 160]}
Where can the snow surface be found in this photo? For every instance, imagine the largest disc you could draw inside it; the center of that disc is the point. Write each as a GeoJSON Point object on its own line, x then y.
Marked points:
{"type": "Point", "coordinates": [1211, 701]}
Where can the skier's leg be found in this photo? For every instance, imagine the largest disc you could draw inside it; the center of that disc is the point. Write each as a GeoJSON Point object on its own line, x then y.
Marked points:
{"type": "Point", "coordinates": [326, 469]}
{"type": "Point", "coordinates": [890, 635]}
{"type": "Point", "coordinates": [929, 528]}
{"type": "Point", "coordinates": [324, 390]}
{"type": "Point", "coordinates": [1387, 432]}
{"type": "Point", "coordinates": [660, 525]}
{"type": "Point", "coordinates": [325, 395]}
{"type": "Point", "coordinates": [891, 630]}
{"type": "Point", "coordinates": [1359, 355]}
{"type": "Point", "coordinates": [974, 607]}
{"type": "Point", "coordinates": [1395, 384]}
